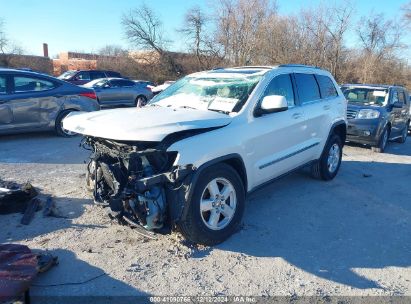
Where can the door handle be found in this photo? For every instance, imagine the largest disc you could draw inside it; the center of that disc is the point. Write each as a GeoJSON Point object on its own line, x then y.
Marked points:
{"type": "Point", "coordinates": [326, 107]}
{"type": "Point", "coordinates": [296, 115]}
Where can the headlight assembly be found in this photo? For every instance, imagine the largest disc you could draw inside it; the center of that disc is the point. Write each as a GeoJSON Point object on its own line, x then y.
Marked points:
{"type": "Point", "coordinates": [368, 114]}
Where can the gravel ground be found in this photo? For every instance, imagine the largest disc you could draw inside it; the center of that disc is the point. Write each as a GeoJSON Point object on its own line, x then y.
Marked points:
{"type": "Point", "coordinates": [300, 236]}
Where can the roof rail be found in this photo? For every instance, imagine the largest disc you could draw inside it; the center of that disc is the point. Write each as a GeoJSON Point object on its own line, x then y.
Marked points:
{"type": "Point", "coordinates": [253, 67]}
{"type": "Point", "coordinates": [298, 66]}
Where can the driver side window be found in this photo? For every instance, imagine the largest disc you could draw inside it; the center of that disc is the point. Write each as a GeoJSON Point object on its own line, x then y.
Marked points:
{"type": "Point", "coordinates": [282, 85]}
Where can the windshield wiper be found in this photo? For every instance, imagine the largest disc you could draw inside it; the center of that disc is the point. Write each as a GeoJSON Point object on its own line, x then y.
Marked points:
{"type": "Point", "coordinates": [219, 111]}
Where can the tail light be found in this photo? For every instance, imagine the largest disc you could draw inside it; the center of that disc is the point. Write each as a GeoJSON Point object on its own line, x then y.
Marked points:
{"type": "Point", "coordinates": [91, 95]}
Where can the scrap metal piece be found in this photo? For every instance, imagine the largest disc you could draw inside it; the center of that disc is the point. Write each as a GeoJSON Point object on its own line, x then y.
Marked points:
{"type": "Point", "coordinates": [140, 230]}
{"type": "Point", "coordinates": [32, 207]}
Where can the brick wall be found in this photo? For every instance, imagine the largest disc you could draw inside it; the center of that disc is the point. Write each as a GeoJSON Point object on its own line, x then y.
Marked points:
{"type": "Point", "coordinates": [36, 63]}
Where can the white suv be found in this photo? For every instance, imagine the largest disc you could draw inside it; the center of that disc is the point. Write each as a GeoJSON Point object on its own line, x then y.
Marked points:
{"type": "Point", "coordinates": [188, 159]}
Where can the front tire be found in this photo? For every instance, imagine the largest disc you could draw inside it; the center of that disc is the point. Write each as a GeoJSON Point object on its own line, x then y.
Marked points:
{"type": "Point", "coordinates": [326, 168]}
{"type": "Point", "coordinates": [59, 125]}
{"type": "Point", "coordinates": [141, 101]}
{"type": "Point", "coordinates": [404, 134]}
{"type": "Point", "coordinates": [382, 142]}
{"type": "Point", "coordinates": [216, 206]}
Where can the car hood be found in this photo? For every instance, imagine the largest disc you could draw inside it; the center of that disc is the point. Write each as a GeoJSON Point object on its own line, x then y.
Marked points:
{"type": "Point", "coordinates": [357, 107]}
{"type": "Point", "coordinates": [151, 123]}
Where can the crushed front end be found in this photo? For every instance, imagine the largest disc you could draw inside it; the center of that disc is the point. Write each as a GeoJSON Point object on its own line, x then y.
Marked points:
{"type": "Point", "coordinates": [138, 181]}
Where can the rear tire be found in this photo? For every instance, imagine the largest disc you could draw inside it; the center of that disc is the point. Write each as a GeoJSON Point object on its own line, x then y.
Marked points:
{"type": "Point", "coordinates": [218, 194]}
{"type": "Point", "coordinates": [59, 125]}
{"type": "Point", "coordinates": [141, 101]}
{"type": "Point", "coordinates": [382, 142]}
{"type": "Point", "coordinates": [326, 168]}
{"type": "Point", "coordinates": [404, 134]}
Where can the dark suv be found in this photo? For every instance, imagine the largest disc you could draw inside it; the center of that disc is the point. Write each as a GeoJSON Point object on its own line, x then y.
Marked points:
{"type": "Point", "coordinates": [377, 114]}
{"type": "Point", "coordinates": [82, 77]}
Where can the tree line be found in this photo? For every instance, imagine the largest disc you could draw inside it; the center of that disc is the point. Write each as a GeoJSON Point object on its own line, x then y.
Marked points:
{"type": "Point", "coordinates": [355, 49]}
{"type": "Point", "coordinates": [252, 32]}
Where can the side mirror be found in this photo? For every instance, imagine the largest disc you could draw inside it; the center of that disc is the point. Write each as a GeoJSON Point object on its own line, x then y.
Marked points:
{"type": "Point", "coordinates": [272, 104]}
{"type": "Point", "coordinates": [397, 105]}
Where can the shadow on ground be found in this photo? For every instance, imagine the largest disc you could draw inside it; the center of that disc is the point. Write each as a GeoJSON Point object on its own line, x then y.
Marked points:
{"type": "Point", "coordinates": [69, 208]}
{"type": "Point", "coordinates": [88, 284]}
{"type": "Point", "coordinates": [42, 148]}
{"type": "Point", "coordinates": [330, 229]}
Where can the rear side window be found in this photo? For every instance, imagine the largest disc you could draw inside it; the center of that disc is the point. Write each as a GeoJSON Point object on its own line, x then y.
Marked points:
{"type": "Point", "coordinates": [112, 74]}
{"type": "Point", "coordinates": [281, 85]}
{"type": "Point", "coordinates": [327, 87]}
{"type": "Point", "coordinates": [3, 85]}
{"type": "Point", "coordinates": [31, 84]}
{"type": "Point", "coordinates": [97, 75]}
{"type": "Point", "coordinates": [122, 83]}
{"type": "Point", "coordinates": [307, 87]}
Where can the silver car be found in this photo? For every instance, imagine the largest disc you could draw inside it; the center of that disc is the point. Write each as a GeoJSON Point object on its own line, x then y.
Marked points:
{"type": "Point", "coordinates": [32, 102]}
{"type": "Point", "coordinates": [118, 91]}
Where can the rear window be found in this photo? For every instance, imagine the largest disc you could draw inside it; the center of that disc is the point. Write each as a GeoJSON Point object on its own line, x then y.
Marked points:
{"type": "Point", "coordinates": [327, 87]}
{"type": "Point", "coordinates": [307, 87]}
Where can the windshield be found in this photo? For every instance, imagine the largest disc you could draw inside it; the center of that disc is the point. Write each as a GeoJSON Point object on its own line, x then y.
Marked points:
{"type": "Point", "coordinates": [67, 75]}
{"type": "Point", "coordinates": [366, 96]}
{"type": "Point", "coordinates": [218, 94]}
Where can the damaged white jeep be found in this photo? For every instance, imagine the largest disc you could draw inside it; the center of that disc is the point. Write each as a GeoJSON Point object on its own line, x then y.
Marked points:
{"type": "Point", "coordinates": [187, 160]}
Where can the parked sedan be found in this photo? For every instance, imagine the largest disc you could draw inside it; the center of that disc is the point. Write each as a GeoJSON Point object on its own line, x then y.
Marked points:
{"type": "Point", "coordinates": [118, 91]}
{"type": "Point", "coordinates": [32, 101]}
{"type": "Point", "coordinates": [81, 77]}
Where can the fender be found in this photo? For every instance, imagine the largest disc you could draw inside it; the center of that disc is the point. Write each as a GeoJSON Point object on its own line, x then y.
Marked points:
{"type": "Point", "coordinates": [336, 124]}
{"type": "Point", "coordinates": [198, 172]}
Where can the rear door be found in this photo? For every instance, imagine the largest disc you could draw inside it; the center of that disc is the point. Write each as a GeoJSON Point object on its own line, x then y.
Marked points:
{"type": "Point", "coordinates": [32, 101]}
{"type": "Point", "coordinates": [6, 115]}
{"type": "Point", "coordinates": [317, 110]}
{"type": "Point", "coordinates": [123, 91]}
{"type": "Point", "coordinates": [397, 123]}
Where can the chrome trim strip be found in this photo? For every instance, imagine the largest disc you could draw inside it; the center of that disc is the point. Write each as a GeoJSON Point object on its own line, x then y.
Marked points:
{"type": "Point", "coordinates": [288, 156]}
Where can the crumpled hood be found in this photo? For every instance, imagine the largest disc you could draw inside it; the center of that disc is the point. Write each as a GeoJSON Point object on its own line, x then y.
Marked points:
{"type": "Point", "coordinates": [151, 123]}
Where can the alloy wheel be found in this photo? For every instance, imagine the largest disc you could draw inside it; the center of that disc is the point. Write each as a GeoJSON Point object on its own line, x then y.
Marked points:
{"type": "Point", "coordinates": [333, 158]}
{"type": "Point", "coordinates": [218, 204]}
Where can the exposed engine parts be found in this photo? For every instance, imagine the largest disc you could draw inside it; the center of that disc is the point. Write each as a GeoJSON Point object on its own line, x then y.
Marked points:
{"type": "Point", "coordinates": [137, 181]}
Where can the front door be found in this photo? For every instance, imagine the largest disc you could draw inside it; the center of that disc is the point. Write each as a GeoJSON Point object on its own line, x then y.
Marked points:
{"type": "Point", "coordinates": [31, 102]}
{"type": "Point", "coordinates": [277, 141]}
{"type": "Point", "coordinates": [6, 115]}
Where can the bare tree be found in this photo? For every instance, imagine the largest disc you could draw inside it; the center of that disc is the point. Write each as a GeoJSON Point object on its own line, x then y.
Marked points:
{"type": "Point", "coordinates": [202, 45]}
{"type": "Point", "coordinates": [239, 28]}
{"type": "Point", "coordinates": [407, 12]}
{"type": "Point", "coordinates": [112, 50]}
{"type": "Point", "coordinates": [145, 30]}
{"type": "Point", "coordinates": [380, 39]}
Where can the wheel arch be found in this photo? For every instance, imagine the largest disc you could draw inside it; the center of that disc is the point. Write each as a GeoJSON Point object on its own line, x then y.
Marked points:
{"type": "Point", "coordinates": [233, 160]}
{"type": "Point", "coordinates": [339, 128]}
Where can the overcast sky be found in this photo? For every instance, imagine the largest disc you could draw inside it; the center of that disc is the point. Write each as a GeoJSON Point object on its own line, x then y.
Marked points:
{"type": "Point", "coordinates": [87, 26]}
